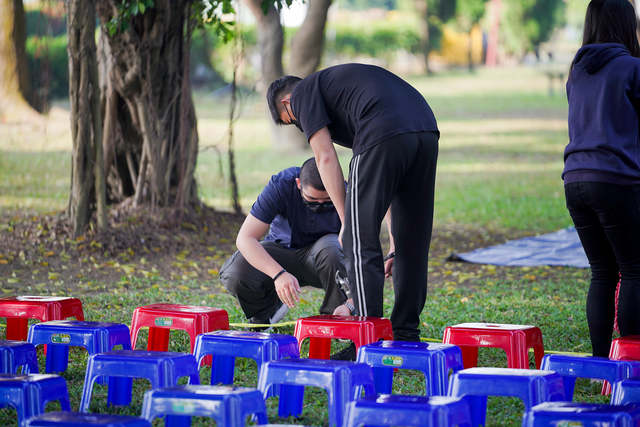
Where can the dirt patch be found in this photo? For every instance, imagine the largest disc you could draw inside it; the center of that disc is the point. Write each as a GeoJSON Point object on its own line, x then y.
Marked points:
{"type": "Point", "coordinates": [37, 254]}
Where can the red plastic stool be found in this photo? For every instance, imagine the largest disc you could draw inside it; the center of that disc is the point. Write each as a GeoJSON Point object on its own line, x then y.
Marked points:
{"type": "Point", "coordinates": [625, 348]}
{"type": "Point", "coordinates": [515, 340]}
{"type": "Point", "coordinates": [18, 310]}
{"type": "Point", "coordinates": [161, 318]}
{"type": "Point", "coordinates": [321, 329]}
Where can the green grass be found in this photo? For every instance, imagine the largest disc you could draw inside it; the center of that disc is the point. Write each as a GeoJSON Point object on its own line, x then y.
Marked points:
{"type": "Point", "coordinates": [499, 169]}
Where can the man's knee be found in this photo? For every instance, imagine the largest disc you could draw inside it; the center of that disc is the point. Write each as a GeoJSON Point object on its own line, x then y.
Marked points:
{"type": "Point", "coordinates": [231, 273]}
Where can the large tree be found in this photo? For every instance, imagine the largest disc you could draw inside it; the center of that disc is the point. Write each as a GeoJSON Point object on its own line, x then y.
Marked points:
{"type": "Point", "coordinates": [87, 167]}
{"type": "Point", "coordinates": [529, 23]}
{"type": "Point", "coordinates": [304, 56]}
{"type": "Point", "coordinates": [150, 135]}
{"type": "Point", "coordinates": [433, 15]}
{"type": "Point", "coordinates": [14, 76]}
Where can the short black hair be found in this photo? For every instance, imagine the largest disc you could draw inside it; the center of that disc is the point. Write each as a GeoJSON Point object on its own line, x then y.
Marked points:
{"type": "Point", "coordinates": [277, 90]}
{"type": "Point", "coordinates": [309, 175]}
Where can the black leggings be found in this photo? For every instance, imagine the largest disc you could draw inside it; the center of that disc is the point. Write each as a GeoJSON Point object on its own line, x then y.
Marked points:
{"type": "Point", "coordinates": [607, 218]}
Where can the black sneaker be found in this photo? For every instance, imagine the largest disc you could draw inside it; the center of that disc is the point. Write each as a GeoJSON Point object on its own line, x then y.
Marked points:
{"type": "Point", "coordinates": [347, 353]}
{"type": "Point", "coordinates": [277, 315]}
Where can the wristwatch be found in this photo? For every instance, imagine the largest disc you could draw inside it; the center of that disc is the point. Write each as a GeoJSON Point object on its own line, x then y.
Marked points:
{"type": "Point", "coordinates": [351, 307]}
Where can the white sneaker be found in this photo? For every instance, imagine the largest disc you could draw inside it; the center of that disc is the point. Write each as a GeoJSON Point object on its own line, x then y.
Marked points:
{"type": "Point", "coordinates": [279, 314]}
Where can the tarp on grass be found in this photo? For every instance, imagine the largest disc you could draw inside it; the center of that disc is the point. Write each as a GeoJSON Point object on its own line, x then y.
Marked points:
{"type": "Point", "coordinates": [559, 248]}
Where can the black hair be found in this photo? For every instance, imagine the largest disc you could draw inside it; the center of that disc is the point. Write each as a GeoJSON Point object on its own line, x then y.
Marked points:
{"type": "Point", "coordinates": [309, 175]}
{"type": "Point", "coordinates": [277, 90]}
{"type": "Point", "coordinates": [611, 21]}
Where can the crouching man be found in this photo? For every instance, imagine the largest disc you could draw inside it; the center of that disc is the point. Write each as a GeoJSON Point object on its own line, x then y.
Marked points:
{"type": "Point", "coordinates": [300, 248]}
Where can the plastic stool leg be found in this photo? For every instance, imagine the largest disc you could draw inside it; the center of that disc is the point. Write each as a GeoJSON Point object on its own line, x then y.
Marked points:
{"type": "Point", "coordinates": [17, 328]}
{"type": "Point", "coordinates": [383, 379]}
{"type": "Point", "coordinates": [478, 405]}
{"type": "Point", "coordinates": [177, 421]}
{"type": "Point", "coordinates": [57, 358]}
{"type": "Point", "coordinates": [119, 391]}
{"type": "Point", "coordinates": [158, 339]}
{"type": "Point", "coordinates": [469, 356]}
{"type": "Point", "coordinates": [319, 348]}
{"type": "Point", "coordinates": [290, 400]}
{"type": "Point", "coordinates": [222, 369]}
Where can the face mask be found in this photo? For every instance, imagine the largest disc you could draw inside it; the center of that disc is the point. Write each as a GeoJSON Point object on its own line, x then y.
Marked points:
{"type": "Point", "coordinates": [318, 207]}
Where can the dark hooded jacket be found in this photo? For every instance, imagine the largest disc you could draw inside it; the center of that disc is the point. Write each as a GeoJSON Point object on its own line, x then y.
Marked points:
{"type": "Point", "coordinates": [604, 131]}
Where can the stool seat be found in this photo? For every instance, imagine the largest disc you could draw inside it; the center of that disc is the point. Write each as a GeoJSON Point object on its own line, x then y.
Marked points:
{"type": "Point", "coordinates": [95, 337]}
{"type": "Point", "coordinates": [29, 394]}
{"type": "Point", "coordinates": [15, 354]}
{"type": "Point", "coordinates": [322, 328]}
{"type": "Point", "coordinates": [587, 414]}
{"type": "Point", "coordinates": [229, 406]}
{"type": "Point", "coordinates": [19, 309]}
{"type": "Point", "coordinates": [434, 360]}
{"type": "Point", "coordinates": [572, 367]}
{"type": "Point", "coordinates": [515, 340]}
{"type": "Point", "coordinates": [408, 411]}
{"type": "Point", "coordinates": [532, 386]}
{"type": "Point", "coordinates": [225, 346]}
{"type": "Point", "coordinates": [343, 382]}
{"type": "Point", "coordinates": [162, 369]}
{"type": "Point", "coordinates": [161, 318]}
{"type": "Point", "coordinates": [52, 419]}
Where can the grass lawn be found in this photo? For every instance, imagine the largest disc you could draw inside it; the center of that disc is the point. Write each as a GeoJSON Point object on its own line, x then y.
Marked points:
{"type": "Point", "coordinates": [498, 178]}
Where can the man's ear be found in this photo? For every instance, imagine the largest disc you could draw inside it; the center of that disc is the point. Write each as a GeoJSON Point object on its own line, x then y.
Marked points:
{"type": "Point", "coordinates": [298, 184]}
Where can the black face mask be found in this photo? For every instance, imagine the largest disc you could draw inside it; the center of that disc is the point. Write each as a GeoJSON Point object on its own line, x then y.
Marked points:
{"type": "Point", "coordinates": [318, 207]}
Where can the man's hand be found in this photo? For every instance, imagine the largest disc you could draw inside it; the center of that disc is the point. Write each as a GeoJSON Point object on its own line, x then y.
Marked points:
{"type": "Point", "coordinates": [288, 289]}
{"type": "Point", "coordinates": [343, 310]}
{"type": "Point", "coordinates": [388, 266]}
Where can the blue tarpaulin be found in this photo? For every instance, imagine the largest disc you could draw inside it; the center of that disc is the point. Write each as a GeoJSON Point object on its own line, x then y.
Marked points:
{"type": "Point", "coordinates": [560, 248]}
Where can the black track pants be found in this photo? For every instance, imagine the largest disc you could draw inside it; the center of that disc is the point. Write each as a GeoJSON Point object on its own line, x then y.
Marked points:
{"type": "Point", "coordinates": [399, 172]}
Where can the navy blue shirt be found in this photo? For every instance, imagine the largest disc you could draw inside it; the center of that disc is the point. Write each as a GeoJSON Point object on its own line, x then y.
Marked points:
{"type": "Point", "coordinates": [604, 101]}
{"type": "Point", "coordinates": [292, 224]}
{"type": "Point", "coordinates": [361, 105]}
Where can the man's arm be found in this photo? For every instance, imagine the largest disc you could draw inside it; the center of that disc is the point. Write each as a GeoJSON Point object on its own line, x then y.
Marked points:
{"type": "Point", "coordinates": [248, 244]}
{"type": "Point", "coordinates": [329, 168]}
{"type": "Point", "coordinates": [388, 264]}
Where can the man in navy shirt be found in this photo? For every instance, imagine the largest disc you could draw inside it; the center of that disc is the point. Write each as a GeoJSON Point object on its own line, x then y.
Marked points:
{"type": "Point", "coordinates": [301, 247]}
{"type": "Point", "coordinates": [394, 137]}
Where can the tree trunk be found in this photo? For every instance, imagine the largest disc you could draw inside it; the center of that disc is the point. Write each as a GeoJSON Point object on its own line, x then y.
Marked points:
{"type": "Point", "coordinates": [270, 41]}
{"type": "Point", "coordinates": [308, 42]}
{"type": "Point", "coordinates": [151, 140]}
{"type": "Point", "coordinates": [422, 8]}
{"type": "Point", "coordinates": [87, 168]}
{"type": "Point", "coordinates": [14, 76]}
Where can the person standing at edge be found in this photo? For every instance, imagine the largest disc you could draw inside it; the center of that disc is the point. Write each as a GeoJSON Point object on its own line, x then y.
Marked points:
{"type": "Point", "coordinates": [602, 165]}
{"type": "Point", "coordinates": [394, 137]}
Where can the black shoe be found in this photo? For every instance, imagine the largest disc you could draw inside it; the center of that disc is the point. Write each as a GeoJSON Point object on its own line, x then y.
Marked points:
{"type": "Point", "coordinates": [347, 353]}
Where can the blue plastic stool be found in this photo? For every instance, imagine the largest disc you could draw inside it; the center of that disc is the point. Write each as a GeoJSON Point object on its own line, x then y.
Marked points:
{"type": "Point", "coordinates": [572, 367]}
{"type": "Point", "coordinates": [29, 394]}
{"type": "Point", "coordinates": [15, 354]}
{"type": "Point", "coordinates": [533, 386]}
{"type": "Point", "coordinates": [588, 414]}
{"type": "Point", "coordinates": [435, 361]}
{"type": "Point", "coordinates": [625, 391]}
{"type": "Point", "coordinates": [225, 346]}
{"type": "Point", "coordinates": [403, 410]}
{"type": "Point", "coordinates": [162, 369]}
{"type": "Point", "coordinates": [59, 335]}
{"type": "Point", "coordinates": [343, 382]}
{"type": "Point", "coordinates": [229, 406]}
{"type": "Point", "coordinates": [52, 419]}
